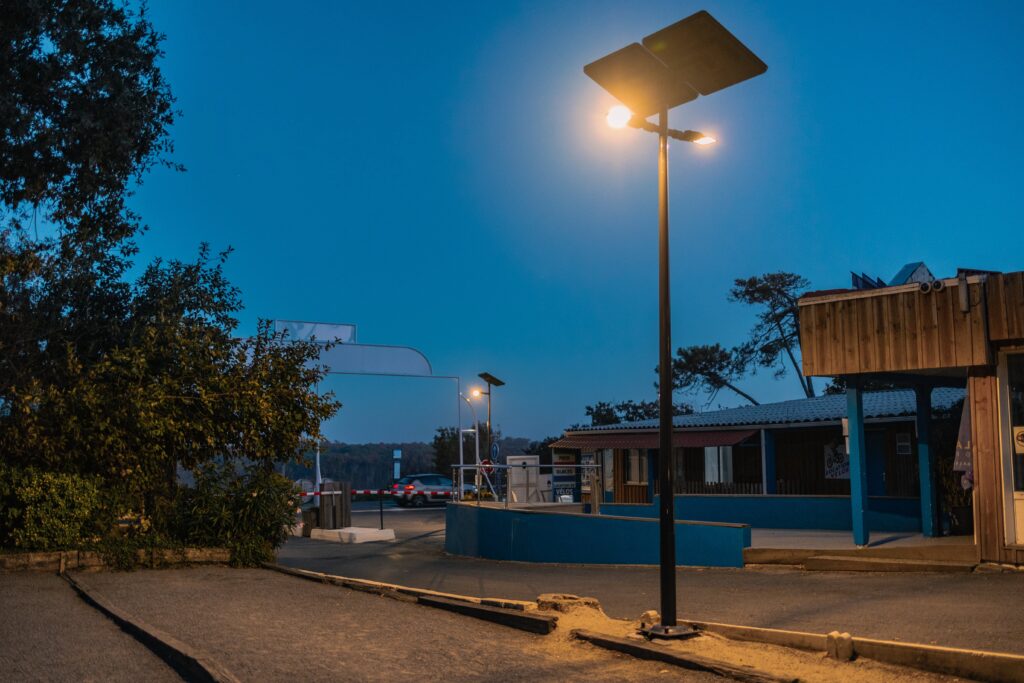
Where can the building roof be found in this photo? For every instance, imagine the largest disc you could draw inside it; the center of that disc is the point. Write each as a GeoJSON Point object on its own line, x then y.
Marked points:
{"type": "Point", "coordinates": [907, 272]}
{"type": "Point", "coordinates": [828, 408]}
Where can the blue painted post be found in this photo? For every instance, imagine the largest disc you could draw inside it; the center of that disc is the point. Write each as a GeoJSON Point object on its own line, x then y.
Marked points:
{"type": "Point", "coordinates": [925, 466]}
{"type": "Point", "coordinates": [652, 472]}
{"type": "Point", "coordinates": [858, 465]}
{"type": "Point", "coordinates": [768, 460]}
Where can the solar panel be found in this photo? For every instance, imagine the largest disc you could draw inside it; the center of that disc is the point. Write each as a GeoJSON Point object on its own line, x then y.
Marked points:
{"type": "Point", "coordinates": [639, 80]}
{"type": "Point", "coordinates": [704, 54]}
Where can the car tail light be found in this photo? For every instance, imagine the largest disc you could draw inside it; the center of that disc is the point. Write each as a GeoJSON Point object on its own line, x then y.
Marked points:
{"type": "Point", "coordinates": [410, 487]}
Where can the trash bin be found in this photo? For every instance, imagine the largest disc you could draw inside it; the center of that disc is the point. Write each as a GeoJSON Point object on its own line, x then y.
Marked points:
{"type": "Point", "coordinates": [309, 521]}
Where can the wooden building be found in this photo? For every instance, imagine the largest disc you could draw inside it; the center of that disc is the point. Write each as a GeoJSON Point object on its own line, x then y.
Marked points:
{"type": "Point", "coordinates": [774, 465]}
{"type": "Point", "coordinates": [962, 331]}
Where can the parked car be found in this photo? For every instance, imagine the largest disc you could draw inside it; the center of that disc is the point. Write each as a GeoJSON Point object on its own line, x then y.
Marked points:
{"type": "Point", "coordinates": [421, 489]}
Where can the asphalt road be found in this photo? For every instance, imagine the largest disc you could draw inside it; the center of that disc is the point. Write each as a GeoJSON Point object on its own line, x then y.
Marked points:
{"type": "Point", "coordinates": [48, 633]}
{"type": "Point", "coordinates": [265, 626]}
{"type": "Point", "coordinates": [984, 611]}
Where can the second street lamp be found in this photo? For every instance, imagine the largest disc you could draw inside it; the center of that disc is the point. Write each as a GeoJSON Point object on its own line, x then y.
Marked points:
{"type": "Point", "coordinates": [695, 56]}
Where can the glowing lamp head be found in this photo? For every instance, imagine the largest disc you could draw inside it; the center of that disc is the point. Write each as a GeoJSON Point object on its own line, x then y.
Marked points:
{"type": "Point", "coordinates": [619, 116]}
{"type": "Point", "coordinates": [475, 393]}
{"type": "Point", "coordinates": [705, 140]}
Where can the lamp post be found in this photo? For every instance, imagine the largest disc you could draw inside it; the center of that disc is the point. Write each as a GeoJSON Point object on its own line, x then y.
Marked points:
{"type": "Point", "coordinates": [695, 56]}
{"type": "Point", "coordinates": [492, 382]}
{"type": "Point", "coordinates": [476, 442]}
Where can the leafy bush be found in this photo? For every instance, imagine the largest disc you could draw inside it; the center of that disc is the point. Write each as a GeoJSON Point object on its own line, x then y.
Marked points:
{"type": "Point", "coordinates": [47, 510]}
{"type": "Point", "coordinates": [248, 512]}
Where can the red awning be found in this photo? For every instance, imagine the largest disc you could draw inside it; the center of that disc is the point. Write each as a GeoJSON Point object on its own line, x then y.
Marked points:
{"type": "Point", "coordinates": [595, 441]}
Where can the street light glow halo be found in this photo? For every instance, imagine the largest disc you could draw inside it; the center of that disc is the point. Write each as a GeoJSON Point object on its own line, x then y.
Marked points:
{"type": "Point", "coordinates": [705, 140]}
{"type": "Point", "coordinates": [619, 116]}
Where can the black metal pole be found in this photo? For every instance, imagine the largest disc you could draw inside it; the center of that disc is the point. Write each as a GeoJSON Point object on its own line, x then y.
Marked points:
{"type": "Point", "coordinates": [489, 390]}
{"type": "Point", "coordinates": [665, 484]}
{"type": "Point", "coordinates": [668, 627]}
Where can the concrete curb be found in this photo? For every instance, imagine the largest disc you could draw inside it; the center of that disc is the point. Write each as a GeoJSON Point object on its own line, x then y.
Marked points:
{"type": "Point", "coordinates": [644, 650]}
{"type": "Point", "coordinates": [190, 663]}
{"type": "Point", "coordinates": [524, 621]}
{"type": "Point", "coordinates": [799, 640]}
{"type": "Point", "coordinates": [56, 561]}
{"type": "Point", "coordinates": [847, 563]}
{"type": "Point", "coordinates": [975, 664]}
{"type": "Point", "coordinates": [394, 590]}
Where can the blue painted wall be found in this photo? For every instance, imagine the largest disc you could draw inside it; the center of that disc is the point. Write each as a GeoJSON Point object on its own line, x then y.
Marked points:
{"type": "Point", "coordinates": [535, 536]}
{"type": "Point", "coordinates": [785, 512]}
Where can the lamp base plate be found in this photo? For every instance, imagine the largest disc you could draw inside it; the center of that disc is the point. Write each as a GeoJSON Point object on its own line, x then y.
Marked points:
{"type": "Point", "coordinates": [662, 632]}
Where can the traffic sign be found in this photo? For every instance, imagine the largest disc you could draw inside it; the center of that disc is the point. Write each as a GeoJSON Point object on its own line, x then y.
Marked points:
{"type": "Point", "coordinates": [485, 465]}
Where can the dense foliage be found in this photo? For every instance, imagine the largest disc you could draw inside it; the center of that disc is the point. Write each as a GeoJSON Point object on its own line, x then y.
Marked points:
{"type": "Point", "coordinates": [47, 510]}
{"type": "Point", "coordinates": [108, 381]}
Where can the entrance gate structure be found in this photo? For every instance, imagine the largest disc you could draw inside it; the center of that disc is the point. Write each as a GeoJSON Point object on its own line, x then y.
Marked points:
{"type": "Point", "coordinates": [967, 330]}
{"type": "Point", "coordinates": [347, 357]}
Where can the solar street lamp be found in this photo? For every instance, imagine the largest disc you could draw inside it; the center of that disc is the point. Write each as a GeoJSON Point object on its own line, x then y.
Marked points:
{"type": "Point", "coordinates": [693, 57]}
{"type": "Point", "coordinates": [492, 382]}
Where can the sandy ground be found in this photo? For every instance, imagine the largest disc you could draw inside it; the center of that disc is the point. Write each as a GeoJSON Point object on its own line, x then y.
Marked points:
{"type": "Point", "coordinates": [778, 661]}
{"type": "Point", "coordinates": [264, 626]}
{"type": "Point", "coordinates": [47, 633]}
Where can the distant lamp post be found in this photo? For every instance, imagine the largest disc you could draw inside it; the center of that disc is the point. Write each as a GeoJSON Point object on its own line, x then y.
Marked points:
{"type": "Point", "coordinates": [476, 442]}
{"type": "Point", "coordinates": [695, 56]}
{"type": "Point", "coordinates": [492, 382]}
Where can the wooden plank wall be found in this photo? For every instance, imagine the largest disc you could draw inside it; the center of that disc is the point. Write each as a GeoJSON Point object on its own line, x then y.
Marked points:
{"type": "Point", "coordinates": [1005, 294]}
{"type": "Point", "coordinates": [983, 394]}
{"type": "Point", "coordinates": [893, 330]}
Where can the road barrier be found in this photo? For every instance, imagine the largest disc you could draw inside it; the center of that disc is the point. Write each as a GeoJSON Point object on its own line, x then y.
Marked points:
{"type": "Point", "coordinates": [376, 492]}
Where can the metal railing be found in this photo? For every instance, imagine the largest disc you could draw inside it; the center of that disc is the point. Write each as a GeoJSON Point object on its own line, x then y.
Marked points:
{"type": "Point", "coordinates": [503, 486]}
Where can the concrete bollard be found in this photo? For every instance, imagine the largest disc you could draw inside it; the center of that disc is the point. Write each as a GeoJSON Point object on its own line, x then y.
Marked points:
{"type": "Point", "coordinates": [839, 646]}
{"type": "Point", "coordinates": [649, 618]}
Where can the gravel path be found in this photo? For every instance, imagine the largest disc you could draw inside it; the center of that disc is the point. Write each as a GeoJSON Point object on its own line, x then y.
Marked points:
{"type": "Point", "coordinates": [269, 627]}
{"type": "Point", "coordinates": [48, 633]}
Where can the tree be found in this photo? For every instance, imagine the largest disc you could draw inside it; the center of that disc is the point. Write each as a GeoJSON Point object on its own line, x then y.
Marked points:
{"type": "Point", "coordinates": [86, 111]}
{"type": "Point", "coordinates": [838, 385]}
{"type": "Point", "coordinates": [102, 375]}
{"type": "Point", "coordinates": [774, 340]}
{"type": "Point", "coordinates": [605, 413]}
{"type": "Point", "coordinates": [542, 448]}
{"type": "Point", "coordinates": [446, 447]}
{"type": "Point", "coordinates": [709, 368]}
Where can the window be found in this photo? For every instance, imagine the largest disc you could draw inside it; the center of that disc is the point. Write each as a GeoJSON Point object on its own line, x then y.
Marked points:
{"type": "Point", "coordinates": [636, 466]}
{"type": "Point", "coordinates": [718, 464]}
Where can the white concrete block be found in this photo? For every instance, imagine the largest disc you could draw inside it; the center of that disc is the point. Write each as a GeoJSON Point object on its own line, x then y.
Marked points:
{"type": "Point", "coordinates": [353, 534]}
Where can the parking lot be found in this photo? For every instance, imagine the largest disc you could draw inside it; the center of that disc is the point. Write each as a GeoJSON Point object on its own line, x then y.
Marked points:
{"type": "Point", "coordinates": [930, 608]}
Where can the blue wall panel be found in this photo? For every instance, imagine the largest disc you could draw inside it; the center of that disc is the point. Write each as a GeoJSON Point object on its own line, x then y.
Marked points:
{"type": "Point", "coordinates": [785, 512]}
{"type": "Point", "coordinates": [537, 536]}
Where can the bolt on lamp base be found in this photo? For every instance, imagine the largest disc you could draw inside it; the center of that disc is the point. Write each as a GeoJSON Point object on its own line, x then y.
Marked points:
{"type": "Point", "coordinates": [662, 632]}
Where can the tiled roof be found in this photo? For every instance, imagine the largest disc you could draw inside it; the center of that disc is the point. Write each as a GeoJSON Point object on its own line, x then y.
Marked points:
{"type": "Point", "coordinates": [829, 408]}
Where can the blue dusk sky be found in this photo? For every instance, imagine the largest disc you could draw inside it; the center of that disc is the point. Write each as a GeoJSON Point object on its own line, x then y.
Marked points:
{"type": "Point", "coordinates": [441, 175]}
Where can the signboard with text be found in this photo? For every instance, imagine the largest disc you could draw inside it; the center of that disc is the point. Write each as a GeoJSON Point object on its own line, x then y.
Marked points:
{"type": "Point", "coordinates": [564, 479]}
